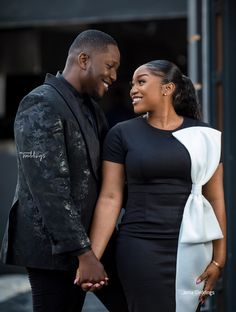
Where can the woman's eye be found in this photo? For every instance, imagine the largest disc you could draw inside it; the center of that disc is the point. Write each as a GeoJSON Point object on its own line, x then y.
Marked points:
{"type": "Point", "coordinates": [141, 82]}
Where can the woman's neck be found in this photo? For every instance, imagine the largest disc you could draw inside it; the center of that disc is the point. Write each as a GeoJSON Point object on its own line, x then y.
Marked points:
{"type": "Point", "coordinates": [165, 120]}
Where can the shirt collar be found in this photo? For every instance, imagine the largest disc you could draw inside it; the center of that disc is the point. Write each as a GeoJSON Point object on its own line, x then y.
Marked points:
{"type": "Point", "coordinates": [69, 86]}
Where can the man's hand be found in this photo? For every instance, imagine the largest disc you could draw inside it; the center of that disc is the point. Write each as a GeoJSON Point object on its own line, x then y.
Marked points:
{"type": "Point", "coordinates": [90, 272]}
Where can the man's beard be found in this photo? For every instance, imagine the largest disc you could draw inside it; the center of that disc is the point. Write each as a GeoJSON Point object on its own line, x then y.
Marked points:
{"type": "Point", "coordinates": [95, 95]}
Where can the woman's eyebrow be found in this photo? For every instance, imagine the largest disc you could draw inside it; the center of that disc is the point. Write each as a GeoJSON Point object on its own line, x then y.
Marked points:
{"type": "Point", "coordinates": [142, 75]}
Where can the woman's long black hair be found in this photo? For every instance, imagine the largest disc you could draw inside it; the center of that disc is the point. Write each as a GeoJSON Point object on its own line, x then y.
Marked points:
{"type": "Point", "coordinates": [184, 98]}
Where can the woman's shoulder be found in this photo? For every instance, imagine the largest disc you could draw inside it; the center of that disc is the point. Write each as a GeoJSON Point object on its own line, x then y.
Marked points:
{"type": "Point", "coordinates": [127, 124]}
{"type": "Point", "coordinates": [190, 122]}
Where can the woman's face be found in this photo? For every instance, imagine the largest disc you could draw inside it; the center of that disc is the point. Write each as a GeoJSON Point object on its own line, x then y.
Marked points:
{"type": "Point", "coordinates": [147, 91]}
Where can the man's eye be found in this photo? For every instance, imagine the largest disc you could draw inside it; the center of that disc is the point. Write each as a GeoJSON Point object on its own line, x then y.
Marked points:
{"type": "Point", "coordinates": [109, 66]}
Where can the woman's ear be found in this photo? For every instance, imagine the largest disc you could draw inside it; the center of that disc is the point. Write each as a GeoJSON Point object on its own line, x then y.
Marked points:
{"type": "Point", "coordinates": [83, 60]}
{"type": "Point", "coordinates": [168, 88]}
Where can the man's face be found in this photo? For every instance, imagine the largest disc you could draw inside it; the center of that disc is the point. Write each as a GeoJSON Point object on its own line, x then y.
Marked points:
{"type": "Point", "coordinates": [101, 71]}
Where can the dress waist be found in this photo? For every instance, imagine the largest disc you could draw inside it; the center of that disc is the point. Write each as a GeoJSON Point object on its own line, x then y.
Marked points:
{"type": "Point", "coordinates": [161, 188]}
{"type": "Point", "coordinates": [154, 214]}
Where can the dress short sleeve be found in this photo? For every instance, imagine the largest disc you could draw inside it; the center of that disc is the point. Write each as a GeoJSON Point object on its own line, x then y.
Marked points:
{"type": "Point", "coordinates": [205, 124]}
{"type": "Point", "coordinates": [114, 148]}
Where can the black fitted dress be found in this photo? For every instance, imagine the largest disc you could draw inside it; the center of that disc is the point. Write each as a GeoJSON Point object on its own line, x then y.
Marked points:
{"type": "Point", "coordinates": [158, 173]}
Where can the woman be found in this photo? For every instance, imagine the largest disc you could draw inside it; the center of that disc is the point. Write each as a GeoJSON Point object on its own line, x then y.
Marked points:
{"type": "Point", "coordinates": [171, 245]}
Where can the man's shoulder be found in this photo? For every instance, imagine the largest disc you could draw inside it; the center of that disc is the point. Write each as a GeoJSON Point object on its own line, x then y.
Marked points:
{"type": "Point", "coordinates": [42, 96]}
{"type": "Point", "coordinates": [44, 91]}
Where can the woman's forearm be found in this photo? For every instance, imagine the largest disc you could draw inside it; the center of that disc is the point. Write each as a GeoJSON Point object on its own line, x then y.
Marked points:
{"type": "Point", "coordinates": [214, 193]}
{"type": "Point", "coordinates": [219, 251]}
{"type": "Point", "coordinates": [105, 217]}
{"type": "Point", "coordinates": [219, 245]}
{"type": "Point", "coordinates": [108, 206]}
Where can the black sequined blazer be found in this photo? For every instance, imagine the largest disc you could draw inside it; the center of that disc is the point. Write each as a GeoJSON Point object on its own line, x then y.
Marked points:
{"type": "Point", "coordinates": [58, 155]}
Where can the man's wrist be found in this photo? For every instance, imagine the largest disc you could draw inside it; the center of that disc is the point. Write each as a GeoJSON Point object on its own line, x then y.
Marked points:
{"type": "Point", "coordinates": [81, 251]}
{"type": "Point", "coordinates": [86, 254]}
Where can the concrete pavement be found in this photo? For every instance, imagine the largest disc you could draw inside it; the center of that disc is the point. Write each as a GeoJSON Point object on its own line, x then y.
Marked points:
{"type": "Point", "coordinates": [15, 296]}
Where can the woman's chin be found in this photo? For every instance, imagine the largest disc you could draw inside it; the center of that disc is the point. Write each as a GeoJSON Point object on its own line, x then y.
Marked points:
{"type": "Point", "coordinates": [138, 110]}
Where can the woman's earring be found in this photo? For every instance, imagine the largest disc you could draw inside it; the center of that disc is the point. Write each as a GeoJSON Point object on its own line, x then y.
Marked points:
{"type": "Point", "coordinates": [164, 94]}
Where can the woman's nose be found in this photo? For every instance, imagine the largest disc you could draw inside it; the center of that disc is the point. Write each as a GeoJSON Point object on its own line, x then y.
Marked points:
{"type": "Point", "coordinates": [133, 90]}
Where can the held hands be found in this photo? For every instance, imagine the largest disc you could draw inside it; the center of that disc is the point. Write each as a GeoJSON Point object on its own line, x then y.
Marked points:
{"type": "Point", "coordinates": [210, 276]}
{"type": "Point", "coordinates": [93, 287]}
{"type": "Point", "coordinates": [90, 275]}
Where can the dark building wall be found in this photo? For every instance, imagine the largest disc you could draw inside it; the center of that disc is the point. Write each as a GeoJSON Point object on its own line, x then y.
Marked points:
{"type": "Point", "coordinates": [36, 52]}
{"type": "Point", "coordinates": [230, 146]}
{"type": "Point", "coordinates": [24, 13]}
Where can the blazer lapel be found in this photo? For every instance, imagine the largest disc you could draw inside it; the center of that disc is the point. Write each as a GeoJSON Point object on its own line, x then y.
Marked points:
{"type": "Point", "coordinates": [90, 138]}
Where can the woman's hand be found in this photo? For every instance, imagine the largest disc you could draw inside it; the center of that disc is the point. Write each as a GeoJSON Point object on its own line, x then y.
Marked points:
{"type": "Point", "coordinates": [210, 276]}
{"type": "Point", "coordinates": [93, 287]}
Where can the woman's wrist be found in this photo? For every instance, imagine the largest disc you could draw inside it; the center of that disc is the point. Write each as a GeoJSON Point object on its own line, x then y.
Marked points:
{"type": "Point", "coordinates": [217, 264]}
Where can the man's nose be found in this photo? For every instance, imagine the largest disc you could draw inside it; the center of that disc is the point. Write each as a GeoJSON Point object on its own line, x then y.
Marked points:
{"type": "Point", "coordinates": [113, 75]}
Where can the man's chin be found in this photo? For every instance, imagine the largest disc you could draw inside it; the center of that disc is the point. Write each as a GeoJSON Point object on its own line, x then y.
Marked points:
{"type": "Point", "coordinates": [97, 97]}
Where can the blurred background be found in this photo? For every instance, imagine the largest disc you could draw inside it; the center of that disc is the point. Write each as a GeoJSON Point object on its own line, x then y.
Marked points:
{"type": "Point", "coordinates": [198, 35]}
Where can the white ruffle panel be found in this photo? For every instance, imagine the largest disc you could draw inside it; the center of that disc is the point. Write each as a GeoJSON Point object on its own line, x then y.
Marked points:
{"type": "Point", "coordinates": [199, 224]}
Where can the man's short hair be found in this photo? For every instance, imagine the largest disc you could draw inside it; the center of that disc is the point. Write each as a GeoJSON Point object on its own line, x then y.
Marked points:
{"type": "Point", "coordinates": [91, 39]}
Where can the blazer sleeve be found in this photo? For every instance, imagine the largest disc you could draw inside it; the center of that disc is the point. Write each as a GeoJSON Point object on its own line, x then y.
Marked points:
{"type": "Point", "coordinates": [41, 148]}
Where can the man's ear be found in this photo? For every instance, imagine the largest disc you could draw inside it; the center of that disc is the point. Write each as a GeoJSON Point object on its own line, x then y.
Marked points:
{"type": "Point", "coordinates": [83, 59]}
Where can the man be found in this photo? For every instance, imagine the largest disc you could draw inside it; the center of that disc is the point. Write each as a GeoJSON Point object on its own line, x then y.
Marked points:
{"type": "Point", "coordinates": [58, 131]}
